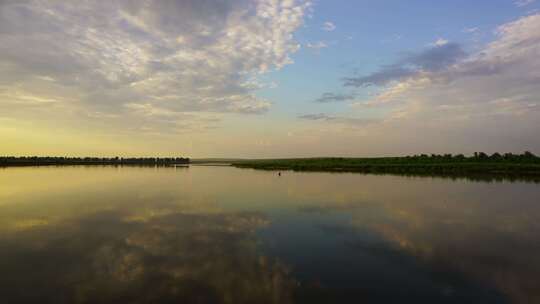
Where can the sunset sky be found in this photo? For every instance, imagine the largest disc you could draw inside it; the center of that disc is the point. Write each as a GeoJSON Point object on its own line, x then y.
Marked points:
{"type": "Point", "coordinates": [269, 78]}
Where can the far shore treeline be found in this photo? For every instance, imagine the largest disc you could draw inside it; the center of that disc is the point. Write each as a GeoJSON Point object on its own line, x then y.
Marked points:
{"type": "Point", "coordinates": [6, 161]}
{"type": "Point", "coordinates": [446, 164]}
{"type": "Point", "coordinates": [480, 163]}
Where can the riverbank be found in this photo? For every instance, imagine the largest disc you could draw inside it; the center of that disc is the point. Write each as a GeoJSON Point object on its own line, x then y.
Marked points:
{"type": "Point", "coordinates": [10, 161]}
{"type": "Point", "coordinates": [417, 165]}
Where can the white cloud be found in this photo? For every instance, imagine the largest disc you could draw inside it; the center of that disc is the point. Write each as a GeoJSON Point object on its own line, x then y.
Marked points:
{"type": "Point", "coordinates": [521, 3]}
{"type": "Point", "coordinates": [329, 26]}
{"type": "Point", "coordinates": [470, 30]}
{"type": "Point", "coordinates": [439, 42]}
{"type": "Point", "coordinates": [491, 96]}
{"type": "Point", "coordinates": [317, 45]}
{"type": "Point", "coordinates": [175, 56]}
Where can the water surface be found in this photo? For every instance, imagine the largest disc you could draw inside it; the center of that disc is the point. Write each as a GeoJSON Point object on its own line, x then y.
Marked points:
{"type": "Point", "coordinates": [225, 235]}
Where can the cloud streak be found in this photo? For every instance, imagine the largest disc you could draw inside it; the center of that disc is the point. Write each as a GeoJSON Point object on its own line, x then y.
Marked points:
{"type": "Point", "coordinates": [317, 45]}
{"type": "Point", "coordinates": [522, 3]}
{"type": "Point", "coordinates": [329, 97]}
{"type": "Point", "coordinates": [349, 121]}
{"type": "Point", "coordinates": [329, 26]}
{"type": "Point", "coordinates": [437, 57]}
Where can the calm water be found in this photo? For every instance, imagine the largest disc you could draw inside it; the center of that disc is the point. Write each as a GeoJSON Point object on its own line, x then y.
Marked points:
{"type": "Point", "coordinates": [226, 235]}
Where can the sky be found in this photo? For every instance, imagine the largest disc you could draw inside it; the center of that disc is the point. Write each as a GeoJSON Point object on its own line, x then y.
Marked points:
{"type": "Point", "coordinates": [268, 78]}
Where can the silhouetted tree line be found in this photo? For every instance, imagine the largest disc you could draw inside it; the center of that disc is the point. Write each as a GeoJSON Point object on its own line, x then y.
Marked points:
{"type": "Point", "coordinates": [478, 157]}
{"type": "Point", "coordinates": [508, 164]}
{"type": "Point", "coordinates": [46, 160]}
{"type": "Point", "coordinates": [525, 157]}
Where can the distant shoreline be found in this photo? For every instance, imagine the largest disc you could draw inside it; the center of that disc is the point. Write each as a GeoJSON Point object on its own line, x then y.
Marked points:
{"type": "Point", "coordinates": [401, 168]}
{"type": "Point", "coordinates": [10, 161]}
{"type": "Point", "coordinates": [508, 164]}
{"type": "Point", "coordinates": [480, 166]}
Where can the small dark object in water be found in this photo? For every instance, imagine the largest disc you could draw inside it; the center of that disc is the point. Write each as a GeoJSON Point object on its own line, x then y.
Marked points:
{"type": "Point", "coordinates": [279, 174]}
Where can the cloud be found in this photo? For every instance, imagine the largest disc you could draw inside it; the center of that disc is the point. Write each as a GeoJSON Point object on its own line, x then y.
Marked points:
{"type": "Point", "coordinates": [333, 97]}
{"type": "Point", "coordinates": [177, 56]}
{"type": "Point", "coordinates": [349, 121]}
{"type": "Point", "coordinates": [488, 99]}
{"type": "Point", "coordinates": [382, 77]}
{"type": "Point", "coordinates": [439, 42]}
{"type": "Point", "coordinates": [329, 26]}
{"type": "Point", "coordinates": [441, 55]}
{"type": "Point", "coordinates": [443, 100]}
{"type": "Point", "coordinates": [521, 3]}
{"type": "Point", "coordinates": [470, 30]}
{"type": "Point", "coordinates": [319, 116]}
{"type": "Point", "coordinates": [317, 45]}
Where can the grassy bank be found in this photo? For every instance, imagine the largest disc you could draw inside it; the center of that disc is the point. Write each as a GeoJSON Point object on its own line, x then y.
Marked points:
{"type": "Point", "coordinates": [479, 164]}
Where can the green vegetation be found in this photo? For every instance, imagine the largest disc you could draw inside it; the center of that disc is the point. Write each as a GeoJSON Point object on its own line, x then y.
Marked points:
{"type": "Point", "coordinates": [480, 163]}
{"type": "Point", "coordinates": [8, 161]}
{"type": "Point", "coordinates": [214, 161]}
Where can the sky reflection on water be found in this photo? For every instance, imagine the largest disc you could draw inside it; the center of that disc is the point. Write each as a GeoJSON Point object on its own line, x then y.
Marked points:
{"type": "Point", "coordinates": [226, 235]}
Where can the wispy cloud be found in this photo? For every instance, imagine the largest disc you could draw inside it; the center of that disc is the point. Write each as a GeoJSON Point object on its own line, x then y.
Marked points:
{"type": "Point", "coordinates": [317, 45]}
{"type": "Point", "coordinates": [435, 58]}
{"type": "Point", "coordinates": [439, 42]}
{"type": "Point", "coordinates": [350, 121]}
{"type": "Point", "coordinates": [329, 97]}
{"type": "Point", "coordinates": [329, 26]}
{"type": "Point", "coordinates": [470, 30]}
{"type": "Point", "coordinates": [521, 3]}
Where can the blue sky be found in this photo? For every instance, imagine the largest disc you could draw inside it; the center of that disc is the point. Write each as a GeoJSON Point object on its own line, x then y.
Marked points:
{"type": "Point", "coordinates": [269, 78]}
